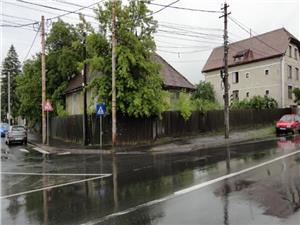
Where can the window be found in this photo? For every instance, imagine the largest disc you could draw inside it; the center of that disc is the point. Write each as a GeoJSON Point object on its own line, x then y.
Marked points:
{"type": "Point", "coordinates": [290, 75]}
{"type": "Point", "coordinates": [267, 92]}
{"type": "Point", "coordinates": [266, 72]}
{"type": "Point", "coordinates": [290, 92]}
{"type": "Point", "coordinates": [247, 75]}
{"type": "Point", "coordinates": [296, 53]}
{"type": "Point", "coordinates": [297, 73]}
{"type": "Point", "coordinates": [235, 95]}
{"type": "Point", "coordinates": [235, 77]}
{"type": "Point", "coordinates": [247, 95]}
{"type": "Point", "coordinates": [290, 51]}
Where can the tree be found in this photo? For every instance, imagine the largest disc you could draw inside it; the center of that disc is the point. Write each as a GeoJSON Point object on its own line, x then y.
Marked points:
{"type": "Point", "coordinates": [11, 65]}
{"type": "Point", "coordinates": [296, 92]}
{"type": "Point", "coordinates": [138, 82]}
{"type": "Point", "coordinates": [204, 91]}
{"type": "Point", "coordinates": [29, 90]}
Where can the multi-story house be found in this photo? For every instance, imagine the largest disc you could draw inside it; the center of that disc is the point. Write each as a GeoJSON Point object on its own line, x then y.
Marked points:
{"type": "Point", "coordinates": [267, 64]}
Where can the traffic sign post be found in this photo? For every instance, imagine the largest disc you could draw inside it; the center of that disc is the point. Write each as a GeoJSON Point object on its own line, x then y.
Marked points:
{"type": "Point", "coordinates": [48, 108]}
{"type": "Point", "coordinates": [100, 111]}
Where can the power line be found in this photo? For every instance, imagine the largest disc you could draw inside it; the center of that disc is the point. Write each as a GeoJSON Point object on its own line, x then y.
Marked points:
{"type": "Point", "coordinates": [185, 52]}
{"type": "Point", "coordinates": [190, 26]}
{"type": "Point", "coordinates": [71, 3]}
{"type": "Point", "coordinates": [183, 8]}
{"type": "Point", "coordinates": [53, 8]}
{"type": "Point", "coordinates": [37, 32]}
{"type": "Point", "coordinates": [164, 7]}
{"type": "Point", "coordinates": [190, 31]}
{"type": "Point", "coordinates": [17, 17]}
{"type": "Point", "coordinates": [186, 39]}
{"type": "Point", "coordinates": [257, 38]}
{"type": "Point", "coordinates": [186, 35]}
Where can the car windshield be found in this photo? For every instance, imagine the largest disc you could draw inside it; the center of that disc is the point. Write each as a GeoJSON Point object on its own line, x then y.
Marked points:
{"type": "Point", "coordinates": [4, 125]}
{"type": "Point", "coordinates": [17, 128]}
{"type": "Point", "coordinates": [288, 118]}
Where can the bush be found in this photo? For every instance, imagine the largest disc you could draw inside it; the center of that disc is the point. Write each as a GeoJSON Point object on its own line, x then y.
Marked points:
{"type": "Point", "coordinates": [184, 105]}
{"type": "Point", "coordinates": [256, 102]}
{"type": "Point", "coordinates": [204, 105]}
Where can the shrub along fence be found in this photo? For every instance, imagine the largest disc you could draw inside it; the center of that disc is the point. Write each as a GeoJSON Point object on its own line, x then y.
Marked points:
{"type": "Point", "coordinates": [141, 130]}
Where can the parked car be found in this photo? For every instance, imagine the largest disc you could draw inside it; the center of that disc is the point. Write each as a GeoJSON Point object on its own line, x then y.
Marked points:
{"type": "Point", "coordinates": [3, 129]}
{"type": "Point", "coordinates": [288, 123]}
{"type": "Point", "coordinates": [16, 134]}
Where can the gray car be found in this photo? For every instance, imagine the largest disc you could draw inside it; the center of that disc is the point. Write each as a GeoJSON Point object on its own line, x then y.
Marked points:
{"type": "Point", "coordinates": [16, 134]}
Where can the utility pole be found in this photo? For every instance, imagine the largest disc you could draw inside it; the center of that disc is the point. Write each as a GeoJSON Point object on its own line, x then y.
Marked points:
{"type": "Point", "coordinates": [43, 80]}
{"type": "Point", "coordinates": [84, 74]}
{"type": "Point", "coordinates": [224, 72]}
{"type": "Point", "coordinates": [113, 84]}
{"type": "Point", "coordinates": [8, 100]}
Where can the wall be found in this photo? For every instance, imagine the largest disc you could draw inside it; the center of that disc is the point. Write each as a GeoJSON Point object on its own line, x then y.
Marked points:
{"type": "Point", "coordinates": [256, 84]}
{"type": "Point", "coordinates": [141, 130]}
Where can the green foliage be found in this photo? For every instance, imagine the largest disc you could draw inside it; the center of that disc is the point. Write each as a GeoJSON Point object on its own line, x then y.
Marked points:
{"type": "Point", "coordinates": [138, 82]}
{"type": "Point", "coordinates": [29, 90]}
{"type": "Point", "coordinates": [62, 60]}
{"type": "Point", "coordinates": [204, 91]}
{"type": "Point", "coordinates": [11, 65]}
{"type": "Point", "coordinates": [256, 102]}
{"type": "Point", "coordinates": [296, 92]}
{"type": "Point", "coordinates": [204, 105]}
{"type": "Point", "coordinates": [184, 105]}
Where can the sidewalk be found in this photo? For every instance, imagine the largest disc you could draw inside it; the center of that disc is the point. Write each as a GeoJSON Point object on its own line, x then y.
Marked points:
{"type": "Point", "coordinates": [170, 145]}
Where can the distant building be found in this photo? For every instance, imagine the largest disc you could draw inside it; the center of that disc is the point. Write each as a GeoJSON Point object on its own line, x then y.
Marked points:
{"type": "Point", "coordinates": [173, 82]}
{"type": "Point", "coordinates": [267, 64]}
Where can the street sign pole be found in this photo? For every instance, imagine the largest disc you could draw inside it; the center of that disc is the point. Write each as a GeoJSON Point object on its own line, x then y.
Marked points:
{"type": "Point", "coordinates": [48, 135]}
{"type": "Point", "coordinates": [101, 132]}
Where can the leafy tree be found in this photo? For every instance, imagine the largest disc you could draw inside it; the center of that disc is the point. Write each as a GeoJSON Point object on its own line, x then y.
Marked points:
{"type": "Point", "coordinates": [204, 91]}
{"type": "Point", "coordinates": [29, 90]}
{"type": "Point", "coordinates": [296, 92]}
{"type": "Point", "coordinates": [138, 82]}
{"type": "Point", "coordinates": [11, 65]}
{"type": "Point", "coordinates": [184, 105]}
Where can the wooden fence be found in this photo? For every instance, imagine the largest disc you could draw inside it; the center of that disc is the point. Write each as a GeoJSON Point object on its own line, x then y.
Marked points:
{"type": "Point", "coordinates": [138, 130]}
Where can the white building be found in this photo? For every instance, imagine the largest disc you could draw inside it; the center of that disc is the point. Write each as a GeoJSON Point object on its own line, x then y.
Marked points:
{"type": "Point", "coordinates": [267, 64]}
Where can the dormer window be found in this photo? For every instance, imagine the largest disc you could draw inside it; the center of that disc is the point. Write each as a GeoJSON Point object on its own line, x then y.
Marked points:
{"type": "Point", "coordinates": [241, 55]}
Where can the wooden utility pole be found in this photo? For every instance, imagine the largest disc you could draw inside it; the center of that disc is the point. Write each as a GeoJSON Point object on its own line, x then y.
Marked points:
{"type": "Point", "coordinates": [84, 74]}
{"type": "Point", "coordinates": [224, 72]}
{"type": "Point", "coordinates": [113, 83]}
{"type": "Point", "coordinates": [8, 100]}
{"type": "Point", "coordinates": [43, 80]}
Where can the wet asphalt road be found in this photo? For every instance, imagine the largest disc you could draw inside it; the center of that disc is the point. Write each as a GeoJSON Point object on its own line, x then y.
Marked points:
{"type": "Point", "coordinates": [213, 186]}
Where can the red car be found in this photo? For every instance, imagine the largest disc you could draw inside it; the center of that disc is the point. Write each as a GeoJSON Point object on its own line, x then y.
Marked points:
{"type": "Point", "coordinates": [288, 123]}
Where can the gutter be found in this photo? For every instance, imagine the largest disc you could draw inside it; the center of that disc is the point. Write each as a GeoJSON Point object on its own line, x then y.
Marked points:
{"type": "Point", "coordinates": [282, 82]}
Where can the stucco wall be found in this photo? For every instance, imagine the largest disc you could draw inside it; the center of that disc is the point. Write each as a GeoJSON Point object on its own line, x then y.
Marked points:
{"type": "Point", "coordinates": [257, 82]}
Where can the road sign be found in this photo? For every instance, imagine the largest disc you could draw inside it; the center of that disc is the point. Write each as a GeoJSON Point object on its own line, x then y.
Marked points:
{"type": "Point", "coordinates": [100, 109]}
{"type": "Point", "coordinates": [48, 106]}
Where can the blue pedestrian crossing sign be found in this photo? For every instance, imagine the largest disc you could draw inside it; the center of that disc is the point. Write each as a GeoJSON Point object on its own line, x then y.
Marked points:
{"type": "Point", "coordinates": [100, 109]}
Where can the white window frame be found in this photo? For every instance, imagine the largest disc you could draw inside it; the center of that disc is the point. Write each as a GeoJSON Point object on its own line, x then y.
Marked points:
{"type": "Point", "coordinates": [235, 77]}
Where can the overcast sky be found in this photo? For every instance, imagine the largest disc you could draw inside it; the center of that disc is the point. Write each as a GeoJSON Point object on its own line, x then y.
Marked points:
{"type": "Point", "coordinates": [185, 38]}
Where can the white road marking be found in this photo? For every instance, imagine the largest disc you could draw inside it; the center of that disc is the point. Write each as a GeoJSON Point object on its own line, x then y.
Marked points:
{"type": "Point", "coordinates": [55, 174]}
{"type": "Point", "coordinates": [188, 190]}
{"type": "Point", "coordinates": [23, 150]}
{"type": "Point", "coordinates": [64, 153]}
{"type": "Point", "coordinates": [41, 151]}
{"type": "Point", "coordinates": [53, 186]}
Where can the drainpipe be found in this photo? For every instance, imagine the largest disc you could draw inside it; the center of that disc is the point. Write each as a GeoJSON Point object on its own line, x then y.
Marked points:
{"type": "Point", "coordinates": [282, 82]}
